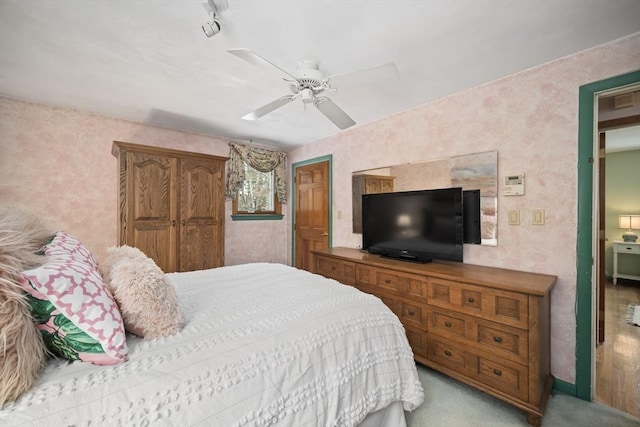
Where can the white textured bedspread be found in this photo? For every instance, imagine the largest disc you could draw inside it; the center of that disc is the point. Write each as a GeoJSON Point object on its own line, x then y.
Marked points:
{"type": "Point", "coordinates": [263, 344]}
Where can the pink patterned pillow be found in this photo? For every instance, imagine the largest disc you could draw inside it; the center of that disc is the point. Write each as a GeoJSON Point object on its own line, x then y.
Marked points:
{"type": "Point", "coordinates": [68, 246]}
{"type": "Point", "coordinates": [73, 308]}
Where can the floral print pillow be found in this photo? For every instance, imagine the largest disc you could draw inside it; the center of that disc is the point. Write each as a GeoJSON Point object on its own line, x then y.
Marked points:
{"type": "Point", "coordinates": [73, 308]}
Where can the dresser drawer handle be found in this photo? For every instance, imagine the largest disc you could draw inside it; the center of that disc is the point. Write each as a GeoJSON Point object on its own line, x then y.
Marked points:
{"type": "Point", "coordinates": [447, 353]}
{"type": "Point", "coordinates": [497, 339]}
{"type": "Point", "coordinates": [411, 312]}
{"type": "Point", "coordinates": [447, 324]}
{"type": "Point", "coordinates": [471, 299]}
{"type": "Point", "coordinates": [387, 281]}
{"type": "Point", "coordinates": [497, 372]}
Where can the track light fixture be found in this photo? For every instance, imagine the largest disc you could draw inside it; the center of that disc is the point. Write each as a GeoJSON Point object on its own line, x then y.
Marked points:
{"type": "Point", "coordinates": [214, 6]}
{"type": "Point", "coordinates": [211, 28]}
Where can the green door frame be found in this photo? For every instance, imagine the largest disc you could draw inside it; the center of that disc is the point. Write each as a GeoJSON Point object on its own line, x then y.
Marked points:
{"type": "Point", "coordinates": [584, 298]}
{"type": "Point", "coordinates": [294, 166]}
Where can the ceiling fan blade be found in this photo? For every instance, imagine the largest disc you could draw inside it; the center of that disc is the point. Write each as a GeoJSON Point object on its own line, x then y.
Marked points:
{"type": "Point", "coordinates": [333, 112]}
{"type": "Point", "coordinates": [372, 75]}
{"type": "Point", "coordinates": [255, 59]}
{"type": "Point", "coordinates": [266, 109]}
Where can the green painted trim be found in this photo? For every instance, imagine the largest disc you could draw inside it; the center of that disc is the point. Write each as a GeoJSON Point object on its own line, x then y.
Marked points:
{"type": "Point", "coordinates": [257, 217]}
{"type": "Point", "coordinates": [294, 166]}
{"type": "Point", "coordinates": [564, 387]}
{"type": "Point", "coordinates": [584, 311]}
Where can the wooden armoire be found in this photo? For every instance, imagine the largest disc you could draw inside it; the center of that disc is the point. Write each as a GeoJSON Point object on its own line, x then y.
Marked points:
{"type": "Point", "coordinates": [171, 205]}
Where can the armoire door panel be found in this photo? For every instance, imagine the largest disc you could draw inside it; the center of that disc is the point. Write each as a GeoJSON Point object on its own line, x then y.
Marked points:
{"type": "Point", "coordinates": [198, 190]}
{"type": "Point", "coordinates": [154, 240]}
{"type": "Point", "coordinates": [200, 247]}
{"type": "Point", "coordinates": [152, 206]}
{"type": "Point", "coordinates": [152, 187]}
{"type": "Point", "coordinates": [202, 211]}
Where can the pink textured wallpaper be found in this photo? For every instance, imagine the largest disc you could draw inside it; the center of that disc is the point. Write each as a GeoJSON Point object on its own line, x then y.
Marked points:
{"type": "Point", "coordinates": [57, 163]}
{"type": "Point", "coordinates": [531, 119]}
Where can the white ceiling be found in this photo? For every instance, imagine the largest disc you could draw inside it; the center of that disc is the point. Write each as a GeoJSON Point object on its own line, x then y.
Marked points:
{"type": "Point", "coordinates": [150, 62]}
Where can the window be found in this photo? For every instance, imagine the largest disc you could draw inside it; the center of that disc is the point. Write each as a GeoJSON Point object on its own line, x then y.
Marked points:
{"type": "Point", "coordinates": [256, 197]}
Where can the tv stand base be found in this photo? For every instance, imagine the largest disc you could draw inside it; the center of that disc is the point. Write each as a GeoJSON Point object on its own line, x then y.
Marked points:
{"type": "Point", "coordinates": [408, 259]}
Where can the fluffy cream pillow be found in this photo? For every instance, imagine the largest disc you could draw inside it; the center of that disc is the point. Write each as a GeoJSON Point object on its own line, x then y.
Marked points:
{"type": "Point", "coordinates": [22, 350]}
{"type": "Point", "coordinates": [146, 298]}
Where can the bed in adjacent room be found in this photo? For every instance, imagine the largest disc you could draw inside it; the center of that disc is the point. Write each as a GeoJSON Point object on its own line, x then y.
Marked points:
{"type": "Point", "coordinates": [259, 345]}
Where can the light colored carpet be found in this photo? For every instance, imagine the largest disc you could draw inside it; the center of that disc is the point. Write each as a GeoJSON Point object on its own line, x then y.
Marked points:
{"type": "Point", "coordinates": [633, 314]}
{"type": "Point", "coordinates": [449, 403]}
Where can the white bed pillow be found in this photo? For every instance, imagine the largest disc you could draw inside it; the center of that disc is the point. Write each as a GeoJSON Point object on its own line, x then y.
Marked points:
{"type": "Point", "coordinates": [147, 300]}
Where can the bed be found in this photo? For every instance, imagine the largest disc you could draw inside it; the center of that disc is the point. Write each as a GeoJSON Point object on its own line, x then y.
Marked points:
{"type": "Point", "coordinates": [261, 345]}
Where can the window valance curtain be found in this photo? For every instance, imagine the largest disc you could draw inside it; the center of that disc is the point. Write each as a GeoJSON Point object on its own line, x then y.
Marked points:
{"type": "Point", "coordinates": [261, 159]}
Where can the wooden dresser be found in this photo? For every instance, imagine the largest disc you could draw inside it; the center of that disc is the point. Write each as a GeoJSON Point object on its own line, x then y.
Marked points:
{"type": "Point", "coordinates": [486, 327]}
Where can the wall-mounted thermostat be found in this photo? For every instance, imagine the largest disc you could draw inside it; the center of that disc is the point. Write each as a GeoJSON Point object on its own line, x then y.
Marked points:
{"type": "Point", "coordinates": [513, 185]}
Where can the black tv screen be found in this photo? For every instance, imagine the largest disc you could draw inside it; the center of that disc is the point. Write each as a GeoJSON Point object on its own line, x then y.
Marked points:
{"type": "Point", "coordinates": [415, 226]}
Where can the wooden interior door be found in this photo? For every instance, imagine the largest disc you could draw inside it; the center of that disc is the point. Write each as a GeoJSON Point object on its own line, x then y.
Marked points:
{"type": "Point", "coordinates": [201, 243]}
{"type": "Point", "coordinates": [152, 207]}
{"type": "Point", "coordinates": [311, 216]}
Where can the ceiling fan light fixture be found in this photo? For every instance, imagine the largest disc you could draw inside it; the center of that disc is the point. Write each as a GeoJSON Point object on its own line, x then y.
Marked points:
{"type": "Point", "coordinates": [306, 95]}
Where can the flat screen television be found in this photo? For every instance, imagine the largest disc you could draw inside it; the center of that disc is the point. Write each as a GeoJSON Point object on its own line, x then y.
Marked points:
{"type": "Point", "coordinates": [417, 226]}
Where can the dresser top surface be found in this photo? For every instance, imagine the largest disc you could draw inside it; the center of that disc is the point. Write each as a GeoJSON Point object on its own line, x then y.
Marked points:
{"type": "Point", "coordinates": [512, 280]}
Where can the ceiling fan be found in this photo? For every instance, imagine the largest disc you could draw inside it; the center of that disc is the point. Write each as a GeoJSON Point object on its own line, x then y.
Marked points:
{"type": "Point", "coordinates": [308, 83]}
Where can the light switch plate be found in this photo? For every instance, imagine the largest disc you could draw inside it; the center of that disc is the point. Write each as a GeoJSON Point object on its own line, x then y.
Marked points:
{"type": "Point", "coordinates": [537, 217]}
{"type": "Point", "coordinates": [514, 217]}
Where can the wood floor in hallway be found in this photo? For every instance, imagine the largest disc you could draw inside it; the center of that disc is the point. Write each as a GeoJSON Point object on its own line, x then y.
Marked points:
{"type": "Point", "coordinates": [618, 358]}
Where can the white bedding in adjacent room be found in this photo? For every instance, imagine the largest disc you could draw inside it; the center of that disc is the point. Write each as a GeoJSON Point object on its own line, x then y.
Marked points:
{"type": "Point", "coordinates": [263, 344]}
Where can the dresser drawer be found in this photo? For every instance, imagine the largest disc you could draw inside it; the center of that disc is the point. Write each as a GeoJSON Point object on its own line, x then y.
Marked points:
{"type": "Point", "coordinates": [446, 324]}
{"type": "Point", "coordinates": [508, 377]}
{"type": "Point", "coordinates": [626, 248]}
{"type": "Point", "coordinates": [402, 284]}
{"type": "Point", "coordinates": [387, 300]}
{"type": "Point", "coordinates": [509, 308]}
{"type": "Point", "coordinates": [417, 340]}
{"type": "Point", "coordinates": [411, 313]}
{"type": "Point", "coordinates": [502, 341]}
{"type": "Point", "coordinates": [449, 355]}
{"type": "Point", "coordinates": [342, 271]}
{"type": "Point", "coordinates": [503, 375]}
